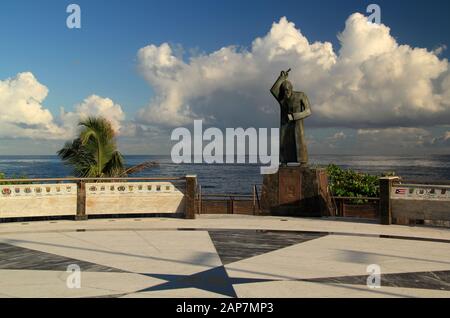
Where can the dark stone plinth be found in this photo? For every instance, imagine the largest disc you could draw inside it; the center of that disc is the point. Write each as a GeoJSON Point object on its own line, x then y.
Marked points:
{"type": "Point", "coordinates": [296, 191]}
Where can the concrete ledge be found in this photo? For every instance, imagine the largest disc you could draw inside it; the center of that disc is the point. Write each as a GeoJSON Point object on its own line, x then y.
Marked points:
{"type": "Point", "coordinates": [230, 222]}
{"type": "Point", "coordinates": [135, 215]}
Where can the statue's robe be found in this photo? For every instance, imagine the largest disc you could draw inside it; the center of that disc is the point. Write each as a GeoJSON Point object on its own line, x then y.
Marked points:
{"type": "Point", "coordinates": [292, 133]}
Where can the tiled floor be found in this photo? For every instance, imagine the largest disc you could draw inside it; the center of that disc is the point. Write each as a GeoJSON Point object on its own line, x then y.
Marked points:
{"type": "Point", "coordinates": [226, 262]}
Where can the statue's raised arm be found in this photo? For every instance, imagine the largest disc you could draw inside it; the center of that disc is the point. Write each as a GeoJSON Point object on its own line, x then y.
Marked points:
{"type": "Point", "coordinates": [275, 90]}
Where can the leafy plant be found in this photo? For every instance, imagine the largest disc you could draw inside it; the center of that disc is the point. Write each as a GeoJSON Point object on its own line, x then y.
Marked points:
{"type": "Point", "coordinates": [350, 183]}
{"type": "Point", "coordinates": [94, 153]}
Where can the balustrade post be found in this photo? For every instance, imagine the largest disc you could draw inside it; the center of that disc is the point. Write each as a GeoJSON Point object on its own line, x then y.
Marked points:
{"type": "Point", "coordinates": [191, 195]}
{"type": "Point", "coordinates": [385, 199]}
{"type": "Point", "coordinates": [81, 201]}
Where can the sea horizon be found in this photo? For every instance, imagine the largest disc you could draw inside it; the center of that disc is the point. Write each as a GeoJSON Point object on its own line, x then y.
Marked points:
{"type": "Point", "coordinates": [239, 178]}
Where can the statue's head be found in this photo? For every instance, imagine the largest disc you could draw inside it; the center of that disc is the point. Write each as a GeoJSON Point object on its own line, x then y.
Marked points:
{"type": "Point", "coordinates": [286, 89]}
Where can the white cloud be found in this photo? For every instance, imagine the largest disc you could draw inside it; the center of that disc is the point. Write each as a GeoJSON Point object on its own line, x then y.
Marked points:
{"type": "Point", "coordinates": [339, 136]}
{"type": "Point", "coordinates": [333, 141]}
{"type": "Point", "coordinates": [442, 141]}
{"type": "Point", "coordinates": [447, 135]}
{"type": "Point", "coordinates": [372, 81]}
{"type": "Point", "coordinates": [94, 106]}
{"type": "Point", "coordinates": [400, 138]}
{"type": "Point", "coordinates": [22, 114]}
{"type": "Point", "coordinates": [440, 49]}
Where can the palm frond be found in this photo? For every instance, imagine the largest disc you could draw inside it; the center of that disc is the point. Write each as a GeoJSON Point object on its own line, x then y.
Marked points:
{"type": "Point", "coordinates": [115, 166]}
{"type": "Point", "coordinates": [141, 167]}
{"type": "Point", "coordinates": [94, 153]}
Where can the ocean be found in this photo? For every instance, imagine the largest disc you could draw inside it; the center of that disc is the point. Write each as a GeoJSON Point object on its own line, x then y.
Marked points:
{"type": "Point", "coordinates": [239, 178]}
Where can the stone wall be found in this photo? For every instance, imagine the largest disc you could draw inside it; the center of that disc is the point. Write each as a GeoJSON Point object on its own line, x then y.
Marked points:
{"type": "Point", "coordinates": [134, 198]}
{"type": "Point", "coordinates": [82, 198]}
{"type": "Point", "coordinates": [415, 203]}
{"type": "Point", "coordinates": [38, 200]}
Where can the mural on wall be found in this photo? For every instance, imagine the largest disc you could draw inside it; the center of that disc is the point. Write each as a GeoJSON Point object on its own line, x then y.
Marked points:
{"type": "Point", "coordinates": [134, 188]}
{"type": "Point", "coordinates": [38, 200]}
{"type": "Point", "coordinates": [37, 190]}
{"type": "Point", "coordinates": [421, 192]}
{"type": "Point", "coordinates": [135, 197]}
{"type": "Point", "coordinates": [95, 189]}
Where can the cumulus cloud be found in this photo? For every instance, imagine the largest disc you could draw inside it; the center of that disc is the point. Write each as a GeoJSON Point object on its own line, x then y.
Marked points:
{"type": "Point", "coordinates": [94, 106]}
{"type": "Point", "coordinates": [395, 139]}
{"type": "Point", "coordinates": [441, 141]}
{"type": "Point", "coordinates": [333, 141]}
{"type": "Point", "coordinates": [372, 81]}
{"type": "Point", "coordinates": [22, 114]}
{"type": "Point", "coordinates": [440, 49]}
{"type": "Point", "coordinates": [339, 136]}
{"type": "Point", "coordinates": [392, 93]}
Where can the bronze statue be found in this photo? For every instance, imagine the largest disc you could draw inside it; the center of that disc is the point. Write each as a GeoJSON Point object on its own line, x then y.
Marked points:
{"type": "Point", "coordinates": [294, 108]}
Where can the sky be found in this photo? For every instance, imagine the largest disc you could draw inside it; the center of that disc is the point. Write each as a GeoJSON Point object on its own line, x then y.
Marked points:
{"type": "Point", "coordinates": [153, 66]}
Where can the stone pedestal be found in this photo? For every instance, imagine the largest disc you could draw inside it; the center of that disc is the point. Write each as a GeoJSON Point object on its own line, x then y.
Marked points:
{"type": "Point", "coordinates": [296, 191]}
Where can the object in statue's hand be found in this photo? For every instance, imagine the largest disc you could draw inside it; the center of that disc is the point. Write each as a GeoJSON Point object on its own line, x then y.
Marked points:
{"type": "Point", "coordinates": [290, 117]}
{"type": "Point", "coordinates": [285, 74]}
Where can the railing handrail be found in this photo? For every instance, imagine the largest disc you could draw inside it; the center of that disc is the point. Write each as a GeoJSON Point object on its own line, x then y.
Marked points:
{"type": "Point", "coordinates": [227, 195]}
{"type": "Point", "coordinates": [117, 179]}
{"type": "Point", "coordinates": [251, 195]}
{"type": "Point", "coordinates": [356, 198]}
{"type": "Point", "coordinates": [422, 185]}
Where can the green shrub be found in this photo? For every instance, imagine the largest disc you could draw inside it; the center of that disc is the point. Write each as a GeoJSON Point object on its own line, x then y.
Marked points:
{"type": "Point", "coordinates": [350, 183]}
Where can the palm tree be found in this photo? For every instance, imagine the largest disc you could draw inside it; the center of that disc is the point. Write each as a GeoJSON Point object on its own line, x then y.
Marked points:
{"type": "Point", "coordinates": [94, 152]}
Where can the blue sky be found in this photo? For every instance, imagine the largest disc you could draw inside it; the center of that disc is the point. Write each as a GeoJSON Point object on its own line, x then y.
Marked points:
{"type": "Point", "coordinates": [101, 57]}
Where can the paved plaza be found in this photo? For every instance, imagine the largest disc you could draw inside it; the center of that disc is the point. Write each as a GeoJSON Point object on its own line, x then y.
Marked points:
{"type": "Point", "coordinates": [222, 256]}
